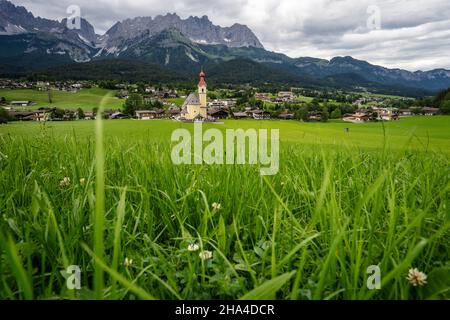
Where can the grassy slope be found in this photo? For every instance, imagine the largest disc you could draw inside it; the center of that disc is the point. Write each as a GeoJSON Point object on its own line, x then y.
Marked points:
{"type": "Point", "coordinates": [85, 99]}
{"type": "Point", "coordinates": [313, 228]}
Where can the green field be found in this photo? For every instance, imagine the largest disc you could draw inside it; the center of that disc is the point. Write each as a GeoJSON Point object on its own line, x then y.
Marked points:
{"type": "Point", "coordinates": [178, 101]}
{"type": "Point", "coordinates": [87, 99]}
{"type": "Point", "coordinates": [341, 202]}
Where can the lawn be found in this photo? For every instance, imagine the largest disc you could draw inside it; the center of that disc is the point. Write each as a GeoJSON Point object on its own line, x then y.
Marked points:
{"type": "Point", "coordinates": [178, 101]}
{"type": "Point", "coordinates": [135, 223]}
{"type": "Point", "coordinates": [86, 99]}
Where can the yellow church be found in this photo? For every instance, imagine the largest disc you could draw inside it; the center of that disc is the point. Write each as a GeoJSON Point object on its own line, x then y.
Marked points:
{"type": "Point", "coordinates": [195, 106]}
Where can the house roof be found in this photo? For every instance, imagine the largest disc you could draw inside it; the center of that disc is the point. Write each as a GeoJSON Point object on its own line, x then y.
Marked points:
{"type": "Point", "coordinates": [144, 111]}
{"type": "Point", "coordinates": [430, 109]}
{"type": "Point", "coordinates": [192, 99]}
{"type": "Point", "coordinates": [217, 110]}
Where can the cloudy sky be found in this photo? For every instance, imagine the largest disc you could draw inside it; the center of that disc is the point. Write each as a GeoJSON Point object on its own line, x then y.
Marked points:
{"type": "Point", "coordinates": [408, 34]}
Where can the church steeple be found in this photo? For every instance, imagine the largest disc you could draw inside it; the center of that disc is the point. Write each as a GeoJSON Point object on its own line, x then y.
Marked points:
{"type": "Point", "coordinates": [202, 89]}
{"type": "Point", "coordinates": [202, 82]}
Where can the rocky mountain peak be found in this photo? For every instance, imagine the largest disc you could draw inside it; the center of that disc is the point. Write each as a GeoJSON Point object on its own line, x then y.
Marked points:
{"type": "Point", "coordinates": [199, 29]}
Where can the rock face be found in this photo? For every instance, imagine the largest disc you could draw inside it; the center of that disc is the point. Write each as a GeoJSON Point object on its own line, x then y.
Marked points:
{"type": "Point", "coordinates": [199, 30]}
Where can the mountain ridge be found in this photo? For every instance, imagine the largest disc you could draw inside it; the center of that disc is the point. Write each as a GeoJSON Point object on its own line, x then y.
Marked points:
{"type": "Point", "coordinates": [29, 43]}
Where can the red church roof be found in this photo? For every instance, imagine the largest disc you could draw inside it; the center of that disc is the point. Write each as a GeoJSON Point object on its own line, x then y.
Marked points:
{"type": "Point", "coordinates": [202, 82]}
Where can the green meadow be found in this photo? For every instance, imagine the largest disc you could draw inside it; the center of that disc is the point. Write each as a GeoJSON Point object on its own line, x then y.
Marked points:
{"type": "Point", "coordinates": [86, 99]}
{"type": "Point", "coordinates": [106, 197]}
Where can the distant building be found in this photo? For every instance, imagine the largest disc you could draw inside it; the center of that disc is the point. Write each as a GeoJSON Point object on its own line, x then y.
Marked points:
{"type": "Point", "coordinates": [285, 96]}
{"type": "Point", "coordinates": [430, 111]}
{"type": "Point", "coordinates": [405, 112]}
{"type": "Point", "coordinates": [286, 116]}
{"type": "Point", "coordinates": [21, 103]}
{"type": "Point", "coordinates": [240, 115]}
{"type": "Point", "coordinates": [218, 113]}
{"type": "Point", "coordinates": [150, 114]}
{"type": "Point", "coordinates": [260, 114]}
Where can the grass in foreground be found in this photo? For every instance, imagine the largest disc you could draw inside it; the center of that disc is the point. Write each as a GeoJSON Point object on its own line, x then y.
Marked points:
{"type": "Point", "coordinates": [309, 232]}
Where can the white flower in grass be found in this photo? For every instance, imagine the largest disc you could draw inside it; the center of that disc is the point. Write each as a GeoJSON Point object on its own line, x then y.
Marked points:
{"type": "Point", "coordinates": [193, 247]}
{"type": "Point", "coordinates": [128, 262]}
{"type": "Point", "coordinates": [416, 277]}
{"type": "Point", "coordinates": [205, 255]}
{"type": "Point", "coordinates": [216, 206]}
{"type": "Point", "coordinates": [82, 181]}
{"type": "Point", "coordinates": [64, 182]}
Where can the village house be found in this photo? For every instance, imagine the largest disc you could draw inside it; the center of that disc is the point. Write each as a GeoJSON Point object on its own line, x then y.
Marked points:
{"type": "Point", "coordinates": [118, 115]}
{"type": "Point", "coordinates": [263, 96]}
{"type": "Point", "coordinates": [174, 112]}
{"type": "Point", "coordinates": [427, 111]}
{"type": "Point", "coordinates": [315, 116]}
{"type": "Point", "coordinates": [286, 116]}
{"type": "Point", "coordinates": [89, 116]}
{"type": "Point", "coordinates": [25, 103]}
{"type": "Point", "coordinates": [405, 112]}
{"type": "Point", "coordinates": [286, 96]}
{"type": "Point", "coordinates": [258, 114]}
{"type": "Point", "coordinates": [218, 113]}
{"type": "Point", "coordinates": [42, 115]}
{"type": "Point", "coordinates": [222, 103]}
{"type": "Point", "coordinates": [240, 115]}
{"type": "Point", "coordinates": [386, 114]}
{"type": "Point", "coordinates": [22, 115]}
{"type": "Point", "coordinates": [146, 115]}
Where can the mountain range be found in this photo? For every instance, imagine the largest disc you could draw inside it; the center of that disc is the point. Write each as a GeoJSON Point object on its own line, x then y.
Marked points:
{"type": "Point", "coordinates": [30, 44]}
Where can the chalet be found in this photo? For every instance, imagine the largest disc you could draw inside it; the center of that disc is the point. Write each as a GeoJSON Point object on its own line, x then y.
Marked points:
{"type": "Point", "coordinates": [262, 96]}
{"type": "Point", "coordinates": [21, 103]}
{"type": "Point", "coordinates": [430, 111]}
{"type": "Point", "coordinates": [286, 116]}
{"type": "Point", "coordinates": [286, 96]}
{"type": "Point", "coordinates": [357, 118]}
{"type": "Point", "coordinates": [160, 114]}
{"type": "Point", "coordinates": [315, 116]}
{"type": "Point", "coordinates": [174, 112]}
{"type": "Point", "coordinates": [118, 115]}
{"type": "Point", "coordinates": [145, 115]}
{"type": "Point", "coordinates": [386, 114]}
{"type": "Point", "coordinates": [150, 114]}
{"type": "Point", "coordinates": [89, 116]}
{"type": "Point", "coordinates": [405, 112]}
{"type": "Point", "coordinates": [22, 115]}
{"type": "Point", "coordinates": [42, 115]}
{"type": "Point", "coordinates": [218, 113]}
{"type": "Point", "coordinates": [260, 114]}
{"type": "Point", "coordinates": [240, 115]}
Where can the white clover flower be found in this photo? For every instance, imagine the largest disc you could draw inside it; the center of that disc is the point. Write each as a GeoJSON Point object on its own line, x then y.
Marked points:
{"type": "Point", "coordinates": [205, 255]}
{"type": "Point", "coordinates": [82, 181]}
{"type": "Point", "coordinates": [416, 277]}
{"type": "Point", "coordinates": [216, 206]}
{"type": "Point", "coordinates": [64, 182]}
{"type": "Point", "coordinates": [193, 247]}
{"type": "Point", "coordinates": [128, 262]}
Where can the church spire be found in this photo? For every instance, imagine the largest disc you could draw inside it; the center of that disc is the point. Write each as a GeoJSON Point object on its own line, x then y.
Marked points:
{"type": "Point", "coordinates": [202, 82]}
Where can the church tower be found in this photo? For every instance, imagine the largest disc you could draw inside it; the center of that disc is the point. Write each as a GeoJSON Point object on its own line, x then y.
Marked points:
{"type": "Point", "coordinates": [202, 89]}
